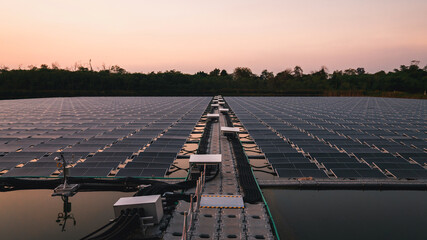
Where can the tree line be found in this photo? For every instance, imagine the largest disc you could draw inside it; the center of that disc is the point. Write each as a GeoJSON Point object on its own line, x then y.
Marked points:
{"type": "Point", "coordinates": [52, 81]}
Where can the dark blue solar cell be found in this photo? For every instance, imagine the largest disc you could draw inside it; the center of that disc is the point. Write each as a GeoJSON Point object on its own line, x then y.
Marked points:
{"type": "Point", "coordinates": [154, 172]}
{"type": "Point", "coordinates": [29, 172]}
{"type": "Point", "coordinates": [345, 173]}
{"type": "Point", "coordinates": [289, 173]}
{"type": "Point", "coordinates": [346, 165]}
{"type": "Point", "coordinates": [359, 173]}
{"type": "Point", "coordinates": [97, 172]}
{"type": "Point", "coordinates": [129, 172]}
{"type": "Point", "coordinates": [158, 165]}
{"type": "Point", "coordinates": [7, 165]}
{"type": "Point", "coordinates": [314, 173]}
{"type": "Point", "coordinates": [405, 166]}
{"type": "Point", "coordinates": [41, 164]}
{"type": "Point", "coordinates": [409, 174]}
{"type": "Point", "coordinates": [137, 165]}
{"type": "Point", "coordinates": [370, 173]}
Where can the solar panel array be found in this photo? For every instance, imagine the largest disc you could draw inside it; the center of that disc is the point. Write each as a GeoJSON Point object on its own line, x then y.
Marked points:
{"type": "Point", "coordinates": [338, 137]}
{"type": "Point", "coordinates": [99, 133]}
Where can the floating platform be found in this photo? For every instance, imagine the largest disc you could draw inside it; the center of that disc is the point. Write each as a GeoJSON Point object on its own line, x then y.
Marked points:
{"type": "Point", "coordinates": [221, 201]}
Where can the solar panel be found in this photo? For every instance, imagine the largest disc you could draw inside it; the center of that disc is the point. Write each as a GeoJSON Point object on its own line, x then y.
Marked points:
{"type": "Point", "coordinates": [129, 172]}
{"type": "Point", "coordinates": [40, 164]}
{"type": "Point", "coordinates": [346, 166]}
{"type": "Point", "coordinates": [110, 125]}
{"type": "Point", "coordinates": [153, 172]}
{"type": "Point", "coordinates": [295, 165]}
{"type": "Point", "coordinates": [7, 165]}
{"type": "Point", "coordinates": [295, 173]}
{"type": "Point", "coordinates": [140, 165]}
{"type": "Point", "coordinates": [92, 164]}
{"type": "Point", "coordinates": [411, 174]}
{"type": "Point", "coordinates": [326, 130]}
{"type": "Point", "coordinates": [30, 172]}
{"type": "Point", "coordinates": [116, 159]}
{"type": "Point", "coordinates": [314, 173]}
{"type": "Point", "coordinates": [97, 172]}
{"type": "Point", "coordinates": [67, 155]}
{"type": "Point", "coordinates": [331, 131]}
{"type": "Point", "coordinates": [289, 173]}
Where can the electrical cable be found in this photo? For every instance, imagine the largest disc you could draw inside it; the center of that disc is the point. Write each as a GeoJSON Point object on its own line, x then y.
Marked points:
{"type": "Point", "coordinates": [103, 227]}
{"type": "Point", "coordinates": [251, 192]}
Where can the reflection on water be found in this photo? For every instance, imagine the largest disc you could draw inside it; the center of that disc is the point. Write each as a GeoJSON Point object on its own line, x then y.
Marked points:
{"type": "Point", "coordinates": [308, 214]}
{"type": "Point", "coordinates": [66, 214]}
{"type": "Point", "coordinates": [33, 214]}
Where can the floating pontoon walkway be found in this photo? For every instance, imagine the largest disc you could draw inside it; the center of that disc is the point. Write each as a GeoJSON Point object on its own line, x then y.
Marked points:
{"type": "Point", "coordinates": [227, 216]}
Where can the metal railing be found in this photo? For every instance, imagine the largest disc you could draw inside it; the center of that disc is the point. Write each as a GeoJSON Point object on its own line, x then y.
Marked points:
{"type": "Point", "coordinates": [194, 205]}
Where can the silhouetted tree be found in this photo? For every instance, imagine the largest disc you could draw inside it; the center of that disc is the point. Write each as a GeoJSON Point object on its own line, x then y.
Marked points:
{"type": "Point", "coordinates": [55, 66]}
{"type": "Point", "coordinates": [414, 65]}
{"type": "Point", "coordinates": [116, 69]}
{"type": "Point", "coordinates": [350, 71]}
{"type": "Point", "coordinates": [53, 81]}
{"type": "Point", "coordinates": [266, 75]}
{"type": "Point", "coordinates": [360, 71]}
{"type": "Point", "coordinates": [322, 73]}
{"type": "Point", "coordinates": [4, 68]}
{"type": "Point", "coordinates": [223, 73]}
{"type": "Point", "coordinates": [242, 73]}
{"type": "Point", "coordinates": [215, 72]}
{"type": "Point", "coordinates": [82, 69]}
{"type": "Point", "coordinates": [298, 72]}
{"type": "Point", "coordinates": [282, 79]}
{"type": "Point", "coordinates": [202, 74]}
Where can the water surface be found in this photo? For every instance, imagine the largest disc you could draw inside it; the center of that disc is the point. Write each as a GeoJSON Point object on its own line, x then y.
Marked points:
{"type": "Point", "coordinates": [32, 214]}
{"type": "Point", "coordinates": [388, 215]}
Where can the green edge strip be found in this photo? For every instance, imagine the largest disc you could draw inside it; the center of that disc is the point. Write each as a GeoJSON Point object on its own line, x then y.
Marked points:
{"type": "Point", "coordinates": [263, 199]}
{"type": "Point", "coordinates": [103, 177]}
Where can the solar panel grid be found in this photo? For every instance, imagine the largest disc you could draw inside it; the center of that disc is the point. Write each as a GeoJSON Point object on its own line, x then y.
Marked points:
{"type": "Point", "coordinates": [381, 130]}
{"type": "Point", "coordinates": [101, 123]}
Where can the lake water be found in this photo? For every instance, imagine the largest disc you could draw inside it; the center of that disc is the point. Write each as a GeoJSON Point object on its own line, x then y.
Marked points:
{"type": "Point", "coordinates": [388, 215]}
{"type": "Point", "coordinates": [299, 215]}
{"type": "Point", "coordinates": [32, 214]}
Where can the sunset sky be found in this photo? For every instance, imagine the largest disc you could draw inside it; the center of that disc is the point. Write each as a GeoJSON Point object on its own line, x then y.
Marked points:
{"type": "Point", "coordinates": [191, 36]}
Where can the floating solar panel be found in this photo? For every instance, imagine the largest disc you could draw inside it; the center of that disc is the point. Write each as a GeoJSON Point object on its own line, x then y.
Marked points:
{"type": "Point", "coordinates": [7, 165]}
{"type": "Point", "coordinates": [97, 126]}
{"type": "Point", "coordinates": [145, 172]}
{"type": "Point", "coordinates": [30, 172]}
{"type": "Point", "coordinates": [154, 172]}
{"type": "Point", "coordinates": [336, 165]}
{"type": "Point", "coordinates": [45, 148]}
{"type": "Point", "coordinates": [320, 127]}
{"type": "Point", "coordinates": [91, 164]}
{"type": "Point", "coordinates": [96, 172]}
{"type": "Point", "coordinates": [358, 173]}
{"type": "Point", "coordinates": [140, 165]}
{"type": "Point", "coordinates": [295, 165]}
{"type": "Point", "coordinates": [130, 172]}
{"type": "Point", "coordinates": [69, 156]}
{"type": "Point", "coordinates": [40, 165]}
{"type": "Point", "coordinates": [409, 174]}
{"type": "Point", "coordinates": [403, 166]}
{"type": "Point", "coordinates": [296, 173]}
{"type": "Point", "coordinates": [89, 172]}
